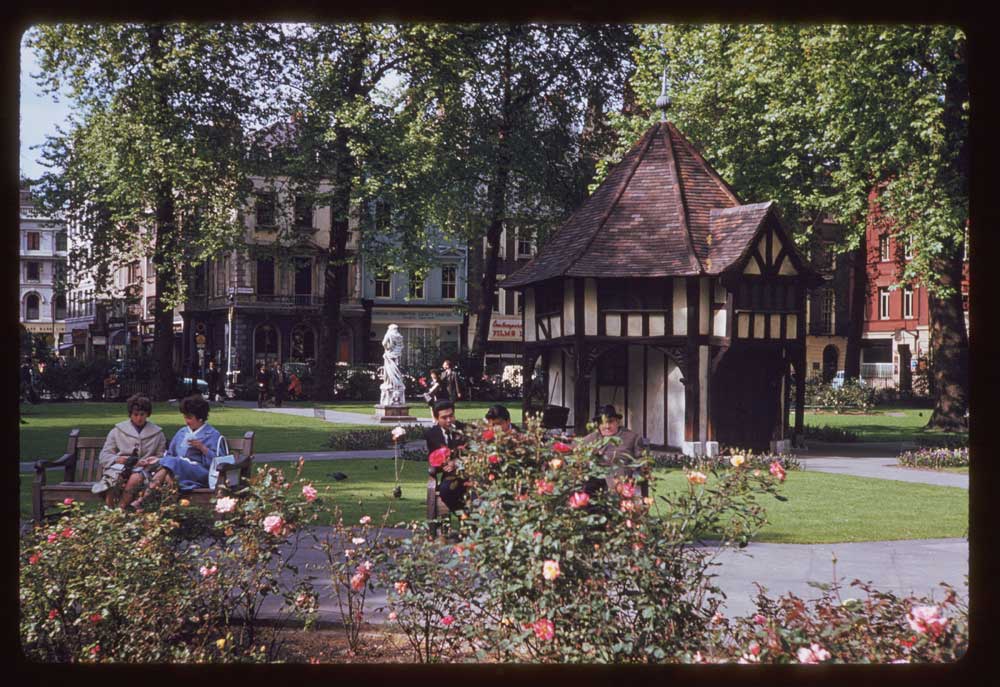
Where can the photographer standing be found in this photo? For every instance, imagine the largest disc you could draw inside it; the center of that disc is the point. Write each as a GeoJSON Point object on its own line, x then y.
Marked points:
{"type": "Point", "coordinates": [450, 380]}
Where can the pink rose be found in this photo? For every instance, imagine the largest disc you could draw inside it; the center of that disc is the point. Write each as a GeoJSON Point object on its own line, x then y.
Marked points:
{"type": "Point", "coordinates": [358, 581]}
{"type": "Point", "coordinates": [392, 615]}
{"type": "Point", "coordinates": [365, 519]}
{"type": "Point", "coordinates": [488, 435]}
{"type": "Point", "coordinates": [34, 558]}
{"type": "Point", "coordinates": [626, 489]}
{"type": "Point", "coordinates": [550, 570]}
{"type": "Point", "coordinates": [543, 487]}
{"type": "Point", "coordinates": [927, 620]}
{"type": "Point", "coordinates": [560, 447]}
{"type": "Point", "coordinates": [422, 380]}
{"type": "Point", "coordinates": [68, 532]}
{"type": "Point", "coordinates": [556, 463]}
{"type": "Point", "coordinates": [208, 572]}
{"type": "Point", "coordinates": [225, 505]}
{"type": "Point", "coordinates": [273, 524]}
{"type": "Point", "coordinates": [759, 619]}
{"type": "Point", "coordinates": [695, 477]}
{"type": "Point", "coordinates": [67, 502]}
{"type": "Point", "coordinates": [96, 649]}
{"type": "Point", "coordinates": [778, 471]}
{"type": "Point", "coordinates": [579, 499]}
{"type": "Point", "coordinates": [438, 457]}
{"type": "Point", "coordinates": [310, 493]}
{"type": "Point", "coordinates": [813, 654]}
{"type": "Point", "coordinates": [544, 629]}
{"type": "Point", "coordinates": [52, 537]}
{"type": "Point", "coordinates": [494, 459]}
{"type": "Point", "coordinates": [447, 620]}
{"type": "Point", "coordinates": [401, 587]}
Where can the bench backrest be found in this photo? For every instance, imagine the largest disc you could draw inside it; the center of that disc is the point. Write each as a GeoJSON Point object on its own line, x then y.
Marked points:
{"type": "Point", "coordinates": [88, 451]}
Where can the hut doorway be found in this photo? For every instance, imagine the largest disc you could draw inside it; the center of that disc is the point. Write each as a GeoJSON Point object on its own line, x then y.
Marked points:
{"type": "Point", "coordinates": [746, 398]}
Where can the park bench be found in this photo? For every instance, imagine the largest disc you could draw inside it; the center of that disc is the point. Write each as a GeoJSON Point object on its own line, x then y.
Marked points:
{"type": "Point", "coordinates": [83, 468]}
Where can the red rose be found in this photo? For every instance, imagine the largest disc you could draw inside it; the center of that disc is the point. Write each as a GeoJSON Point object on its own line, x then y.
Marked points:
{"type": "Point", "coordinates": [560, 447]}
{"type": "Point", "coordinates": [438, 457]}
{"type": "Point", "coordinates": [494, 459]}
{"type": "Point", "coordinates": [488, 435]}
{"type": "Point", "coordinates": [53, 614]}
{"type": "Point", "coordinates": [423, 381]}
{"type": "Point", "coordinates": [543, 487]}
{"type": "Point", "coordinates": [96, 618]}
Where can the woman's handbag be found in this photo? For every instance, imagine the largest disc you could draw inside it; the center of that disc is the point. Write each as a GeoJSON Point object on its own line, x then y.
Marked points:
{"type": "Point", "coordinates": [223, 457]}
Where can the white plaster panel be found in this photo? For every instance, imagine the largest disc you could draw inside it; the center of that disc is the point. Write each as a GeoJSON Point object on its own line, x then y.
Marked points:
{"type": "Point", "coordinates": [613, 325]}
{"type": "Point", "coordinates": [703, 396]}
{"type": "Point", "coordinates": [657, 325]}
{"type": "Point", "coordinates": [680, 306]}
{"type": "Point", "coordinates": [719, 323]}
{"type": "Point", "coordinates": [675, 405]}
{"type": "Point", "coordinates": [570, 386]}
{"type": "Point", "coordinates": [775, 326]}
{"type": "Point", "coordinates": [569, 312]}
{"type": "Point", "coordinates": [720, 291]}
{"type": "Point", "coordinates": [758, 325]}
{"type": "Point", "coordinates": [636, 381]}
{"type": "Point", "coordinates": [590, 306]}
{"type": "Point", "coordinates": [555, 327]}
{"type": "Point", "coordinates": [655, 380]}
{"type": "Point", "coordinates": [635, 325]}
{"type": "Point", "coordinates": [555, 379]}
{"type": "Point", "coordinates": [529, 315]}
{"type": "Point", "coordinates": [704, 292]}
{"type": "Point", "coordinates": [615, 395]}
{"type": "Point", "coordinates": [791, 326]}
{"type": "Point", "coordinates": [787, 267]}
{"type": "Point", "coordinates": [775, 246]}
{"type": "Point", "coordinates": [751, 267]}
{"type": "Point", "coordinates": [743, 328]}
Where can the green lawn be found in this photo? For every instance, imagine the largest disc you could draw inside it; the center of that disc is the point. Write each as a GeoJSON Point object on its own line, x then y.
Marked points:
{"type": "Point", "coordinates": [821, 508]}
{"type": "Point", "coordinates": [886, 423]}
{"type": "Point", "coordinates": [464, 410]}
{"type": "Point", "coordinates": [824, 508]}
{"type": "Point", "coordinates": [48, 425]}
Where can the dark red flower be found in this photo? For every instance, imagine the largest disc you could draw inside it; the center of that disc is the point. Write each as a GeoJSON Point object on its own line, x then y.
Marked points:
{"type": "Point", "coordinates": [488, 435]}
{"type": "Point", "coordinates": [560, 447]}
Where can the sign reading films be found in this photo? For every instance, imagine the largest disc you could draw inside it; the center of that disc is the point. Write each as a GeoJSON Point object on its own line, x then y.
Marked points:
{"type": "Point", "coordinates": [506, 328]}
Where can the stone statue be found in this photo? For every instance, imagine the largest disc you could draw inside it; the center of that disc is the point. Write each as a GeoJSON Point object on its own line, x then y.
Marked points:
{"type": "Point", "coordinates": [393, 390]}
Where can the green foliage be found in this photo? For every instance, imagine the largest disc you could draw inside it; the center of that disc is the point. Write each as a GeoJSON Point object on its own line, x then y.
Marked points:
{"type": "Point", "coordinates": [368, 439]}
{"type": "Point", "coordinates": [72, 376]}
{"type": "Point", "coordinates": [827, 433]}
{"type": "Point", "coordinates": [851, 395]}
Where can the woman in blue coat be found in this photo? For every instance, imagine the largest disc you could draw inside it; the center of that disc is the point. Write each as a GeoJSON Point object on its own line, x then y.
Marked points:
{"type": "Point", "coordinates": [191, 451]}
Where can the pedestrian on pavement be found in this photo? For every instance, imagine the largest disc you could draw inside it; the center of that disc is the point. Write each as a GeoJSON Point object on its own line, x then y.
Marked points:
{"type": "Point", "coordinates": [263, 384]}
{"type": "Point", "coordinates": [450, 379]}
{"type": "Point", "coordinates": [28, 382]}
{"type": "Point", "coordinates": [214, 379]}
{"type": "Point", "coordinates": [278, 383]}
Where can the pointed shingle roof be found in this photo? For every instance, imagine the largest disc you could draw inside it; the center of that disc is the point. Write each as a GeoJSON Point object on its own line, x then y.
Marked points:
{"type": "Point", "coordinates": [662, 211]}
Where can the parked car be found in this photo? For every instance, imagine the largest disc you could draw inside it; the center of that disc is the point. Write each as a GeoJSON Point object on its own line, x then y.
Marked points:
{"type": "Point", "coordinates": [838, 380]}
{"type": "Point", "coordinates": [202, 385]}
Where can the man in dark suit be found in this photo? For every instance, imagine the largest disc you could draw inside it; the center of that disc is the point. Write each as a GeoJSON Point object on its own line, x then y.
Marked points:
{"type": "Point", "coordinates": [446, 433]}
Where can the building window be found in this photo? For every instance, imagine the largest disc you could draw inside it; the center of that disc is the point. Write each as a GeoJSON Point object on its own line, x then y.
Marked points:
{"type": "Point", "coordinates": [33, 271]}
{"type": "Point", "coordinates": [883, 303]}
{"type": "Point", "coordinates": [826, 311]}
{"type": "Point", "coordinates": [61, 241]}
{"type": "Point", "coordinates": [33, 240]}
{"type": "Point", "coordinates": [416, 288]}
{"type": "Point", "coordinates": [498, 301]}
{"type": "Point", "coordinates": [303, 344]}
{"type": "Point", "coordinates": [60, 307]}
{"type": "Point", "coordinates": [198, 284]}
{"type": "Point", "coordinates": [502, 248]}
{"type": "Point", "coordinates": [449, 282]}
{"type": "Point", "coordinates": [303, 213]}
{"type": "Point", "coordinates": [908, 303]}
{"type": "Point", "coordinates": [883, 247]}
{"type": "Point", "coordinates": [303, 281]}
{"type": "Point", "coordinates": [383, 285]}
{"type": "Point", "coordinates": [525, 244]}
{"type": "Point", "coordinates": [420, 345]}
{"type": "Point", "coordinates": [31, 307]}
{"type": "Point", "coordinates": [265, 276]}
{"type": "Point", "coordinates": [908, 248]}
{"type": "Point", "coordinates": [517, 302]}
{"type": "Point", "coordinates": [265, 210]}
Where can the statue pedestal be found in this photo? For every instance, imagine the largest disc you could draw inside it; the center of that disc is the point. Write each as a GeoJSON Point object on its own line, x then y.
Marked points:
{"type": "Point", "coordinates": [393, 414]}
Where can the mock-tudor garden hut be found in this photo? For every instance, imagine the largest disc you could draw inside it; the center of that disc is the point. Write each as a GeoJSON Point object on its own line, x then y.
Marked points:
{"type": "Point", "coordinates": [666, 296]}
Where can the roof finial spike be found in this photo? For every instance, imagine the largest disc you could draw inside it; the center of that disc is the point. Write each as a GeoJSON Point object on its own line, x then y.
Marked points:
{"type": "Point", "coordinates": [663, 102]}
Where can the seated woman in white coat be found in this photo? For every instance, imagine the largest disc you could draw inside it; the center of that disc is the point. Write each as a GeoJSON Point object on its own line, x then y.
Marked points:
{"type": "Point", "coordinates": [136, 434]}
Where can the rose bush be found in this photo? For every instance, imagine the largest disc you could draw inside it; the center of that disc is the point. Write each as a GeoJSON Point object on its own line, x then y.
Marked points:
{"type": "Point", "coordinates": [936, 458]}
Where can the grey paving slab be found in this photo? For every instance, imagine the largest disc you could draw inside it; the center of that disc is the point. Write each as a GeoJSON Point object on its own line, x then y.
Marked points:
{"type": "Point", "coordinates": [884, 468]}
{"type": "Point", "coordinates": [902, 567]}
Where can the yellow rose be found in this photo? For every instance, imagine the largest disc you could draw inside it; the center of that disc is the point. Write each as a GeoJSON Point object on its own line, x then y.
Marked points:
{"type": "Point", "coordinates": [737, 460]}
{"type": "Point", "coordinates": [696, 477]}
{"type": "Point", "coordinates": [185, 502]}
{"type": "Point", "coordinates": [221, 643]}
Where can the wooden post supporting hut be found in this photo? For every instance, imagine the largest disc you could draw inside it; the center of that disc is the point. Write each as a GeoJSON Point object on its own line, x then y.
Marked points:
{"type": "Point", "coordinates": [666, 296]}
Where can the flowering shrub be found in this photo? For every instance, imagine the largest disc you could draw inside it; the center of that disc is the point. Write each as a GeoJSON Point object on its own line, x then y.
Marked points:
{"type": "Point", "coordinates": [561, 574]}
{"type": "Point", "coordinates": [852, 395]}
{"type": "Point", "coordinates": [364, 439]}
{"type": "Point", "coordinates": [935, 458]}
{"type": "Point", "coordinates": [880, 628]}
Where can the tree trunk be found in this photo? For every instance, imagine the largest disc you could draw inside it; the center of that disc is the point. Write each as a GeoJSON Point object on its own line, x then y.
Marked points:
{"type": "Point", "coordinates": [858, 288]}
{"type": "Point", "coordinates": [950, 347]}
{"type": "Point", "coordinates": [498, 211]}
{"type": "Point", "coordinates": [164, 255]}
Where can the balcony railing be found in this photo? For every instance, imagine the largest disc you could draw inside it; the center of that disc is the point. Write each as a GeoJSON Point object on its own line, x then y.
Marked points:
{"type": "Point", "coordinates": [255, 299]}
{"type": "Point", "coordinates": [876, 370]}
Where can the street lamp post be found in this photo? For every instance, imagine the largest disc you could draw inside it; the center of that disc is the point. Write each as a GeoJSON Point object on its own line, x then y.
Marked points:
{"type": "Point", "coordinates": [229, 342]}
